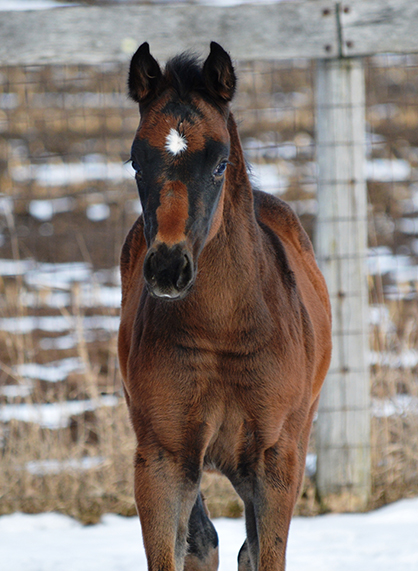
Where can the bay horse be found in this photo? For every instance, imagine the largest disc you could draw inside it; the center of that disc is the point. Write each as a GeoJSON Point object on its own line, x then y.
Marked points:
{"type": "Point", "coordinates": [224, 339]}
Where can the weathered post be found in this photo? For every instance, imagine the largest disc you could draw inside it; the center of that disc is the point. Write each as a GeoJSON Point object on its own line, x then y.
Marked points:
{"type": "Point", "coordinates": [343, 427]}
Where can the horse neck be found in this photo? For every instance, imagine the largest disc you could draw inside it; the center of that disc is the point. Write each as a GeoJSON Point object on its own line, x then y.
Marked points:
{"type": "Point", "coordinates": [238, 240]}
{"type": "Point", "coordinates": [238, 187]}
{"type": "Point", "coordinates": [229, 297]}
{"type": "Point", "coordinates": [239, 220]}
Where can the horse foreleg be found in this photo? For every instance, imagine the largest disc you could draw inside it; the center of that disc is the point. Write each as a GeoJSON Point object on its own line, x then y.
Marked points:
{"type": "Point", "coordinates": [164, 498]}
{"type": "Point", "coordinates": [278, 490]}
{"type": "Point", "coordinates": [266, 550]}
{"type": "Point", "coordinates": [202, 553]}
{"type": "Point", "coordinates": [269, 502]}
{"type": "Point", "coordinates": [275, 513]}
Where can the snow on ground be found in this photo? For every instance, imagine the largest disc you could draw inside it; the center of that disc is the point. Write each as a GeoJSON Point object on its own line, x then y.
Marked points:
{"type": "Point", "coordinates": [53, 415]}
{"type": "Point", "coordinates": [384, 540]}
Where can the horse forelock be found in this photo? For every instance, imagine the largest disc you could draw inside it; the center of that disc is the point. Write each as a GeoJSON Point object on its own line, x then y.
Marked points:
{"type": "Point", "coordinates": [183, 77]}
{"type": "Point", "coordinates": [183, 73]}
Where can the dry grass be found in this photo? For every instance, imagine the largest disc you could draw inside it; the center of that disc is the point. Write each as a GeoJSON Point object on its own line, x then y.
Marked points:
{"type": "Point", "coordinates": [28, 483]}
{"type": "Point", "coordinates": [85, 494]}
{"type": "Point", "coordinates": [66, 135]}
{"type": "Point", "coordinates": [394, 438]}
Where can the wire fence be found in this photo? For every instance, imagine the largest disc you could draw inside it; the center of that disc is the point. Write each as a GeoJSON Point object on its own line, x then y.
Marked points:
{"type": "Point", "coordinates": [67, 199]}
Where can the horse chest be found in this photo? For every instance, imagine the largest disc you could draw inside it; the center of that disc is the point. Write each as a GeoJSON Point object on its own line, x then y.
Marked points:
{"type": "Point", "coordinates": [239, 354]}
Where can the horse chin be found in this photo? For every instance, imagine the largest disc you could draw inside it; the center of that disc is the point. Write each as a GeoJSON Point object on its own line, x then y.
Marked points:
{"type": "Point", "coordinates": [169, 295]}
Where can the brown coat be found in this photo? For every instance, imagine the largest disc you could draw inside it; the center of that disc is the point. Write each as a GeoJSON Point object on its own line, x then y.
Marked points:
{"type": "Point", "coordinates": [227, 374]}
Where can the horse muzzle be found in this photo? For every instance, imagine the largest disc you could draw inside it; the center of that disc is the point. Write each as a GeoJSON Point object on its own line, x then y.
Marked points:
{"type": "Point", "coordinates": [168, 271]}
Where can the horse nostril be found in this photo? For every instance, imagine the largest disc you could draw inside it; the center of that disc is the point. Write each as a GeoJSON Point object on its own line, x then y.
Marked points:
{"type": "Point", "coordinates": [149, 271]}
{"type": "Point", "coordinates": [186, 272]}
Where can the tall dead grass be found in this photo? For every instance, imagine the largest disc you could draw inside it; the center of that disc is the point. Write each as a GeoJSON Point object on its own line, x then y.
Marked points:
{"type": "Point", "coordinates": [48, 469]}
{"type": "Point", "coordinates": [394, 437]}
{"type": "Point", "coordinates": [85, 468]}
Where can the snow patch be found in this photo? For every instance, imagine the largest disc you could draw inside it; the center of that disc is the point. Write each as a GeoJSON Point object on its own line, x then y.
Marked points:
{"type": "Point", "coordinates": [53, 415]}
{"type": "Point", "coordinates": [44, 467]}
{"type": "Point", "coordinates": [57, 323]}
{"type": "Point", "coordinates": [16, 267]}
{"type": "Point", "coordinates": [17, 391]}
{"type": "Point", "coordinates": [398, 406]}
{"type": "Point", "coordinates": [52, 372]}
{"type": "Point", "coordinates": [388, 170]}
{"type": "Point", "coordinates": [59, 276]}
{"type": "Point", "coordinates": [98, 212]}
{"type": "Point", "coordinates": [46, 209]}
{"type": "Point", "coordinates": [94, 167]}
{"type": "Point", "coordinates": [267, 178]}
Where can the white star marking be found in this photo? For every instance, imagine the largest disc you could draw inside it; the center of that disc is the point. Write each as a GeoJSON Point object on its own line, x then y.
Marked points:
{"type": "Point", "coordinates": [175, 143]}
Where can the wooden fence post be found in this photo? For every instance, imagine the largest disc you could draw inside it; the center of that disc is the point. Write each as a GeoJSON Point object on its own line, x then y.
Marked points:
{"type": "Point", "coordinates": [343, 426]}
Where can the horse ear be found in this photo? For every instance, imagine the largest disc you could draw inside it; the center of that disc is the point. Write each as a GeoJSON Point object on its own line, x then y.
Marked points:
{"type": "Point", "coordinates": [144, 75]}
{"type": "Point", "coordinates": [219, 74]}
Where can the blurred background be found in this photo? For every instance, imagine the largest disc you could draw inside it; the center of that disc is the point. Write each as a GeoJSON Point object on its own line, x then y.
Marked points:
{"type": "Point", "coordinates": [67, 200]}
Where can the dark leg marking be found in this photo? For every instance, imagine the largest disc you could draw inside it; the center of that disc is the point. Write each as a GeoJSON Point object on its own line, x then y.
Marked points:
{"type": "Point", "coordinates": [244, 561]}
{"type": "Point", "coordinates": [202, 553]}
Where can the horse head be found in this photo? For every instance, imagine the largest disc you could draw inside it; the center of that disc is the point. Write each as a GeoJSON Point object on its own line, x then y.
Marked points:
{"type": "Point", "coordinates": [180, 157]}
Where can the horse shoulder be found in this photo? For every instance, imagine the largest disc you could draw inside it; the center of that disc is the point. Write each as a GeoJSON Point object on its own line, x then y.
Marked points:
{"type": "Point", "coordinates": [131, 261]}
{"type": "Point", "coordinates": [133, 250]}
{"type": "Point", "coordinates": [280, 219]}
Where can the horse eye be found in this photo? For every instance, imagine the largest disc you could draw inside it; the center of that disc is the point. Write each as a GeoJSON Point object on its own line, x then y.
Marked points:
{"type": "Point", "coordinates": [221, 168]}
{"type": "Point", "coordinates": [137, 169]}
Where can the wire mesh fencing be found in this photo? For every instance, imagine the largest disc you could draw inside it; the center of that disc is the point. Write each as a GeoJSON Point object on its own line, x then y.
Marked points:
{"type": "Point", "coordinates": [68, 198]}
{"type": "Point", "coordinates": [392, 115]}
